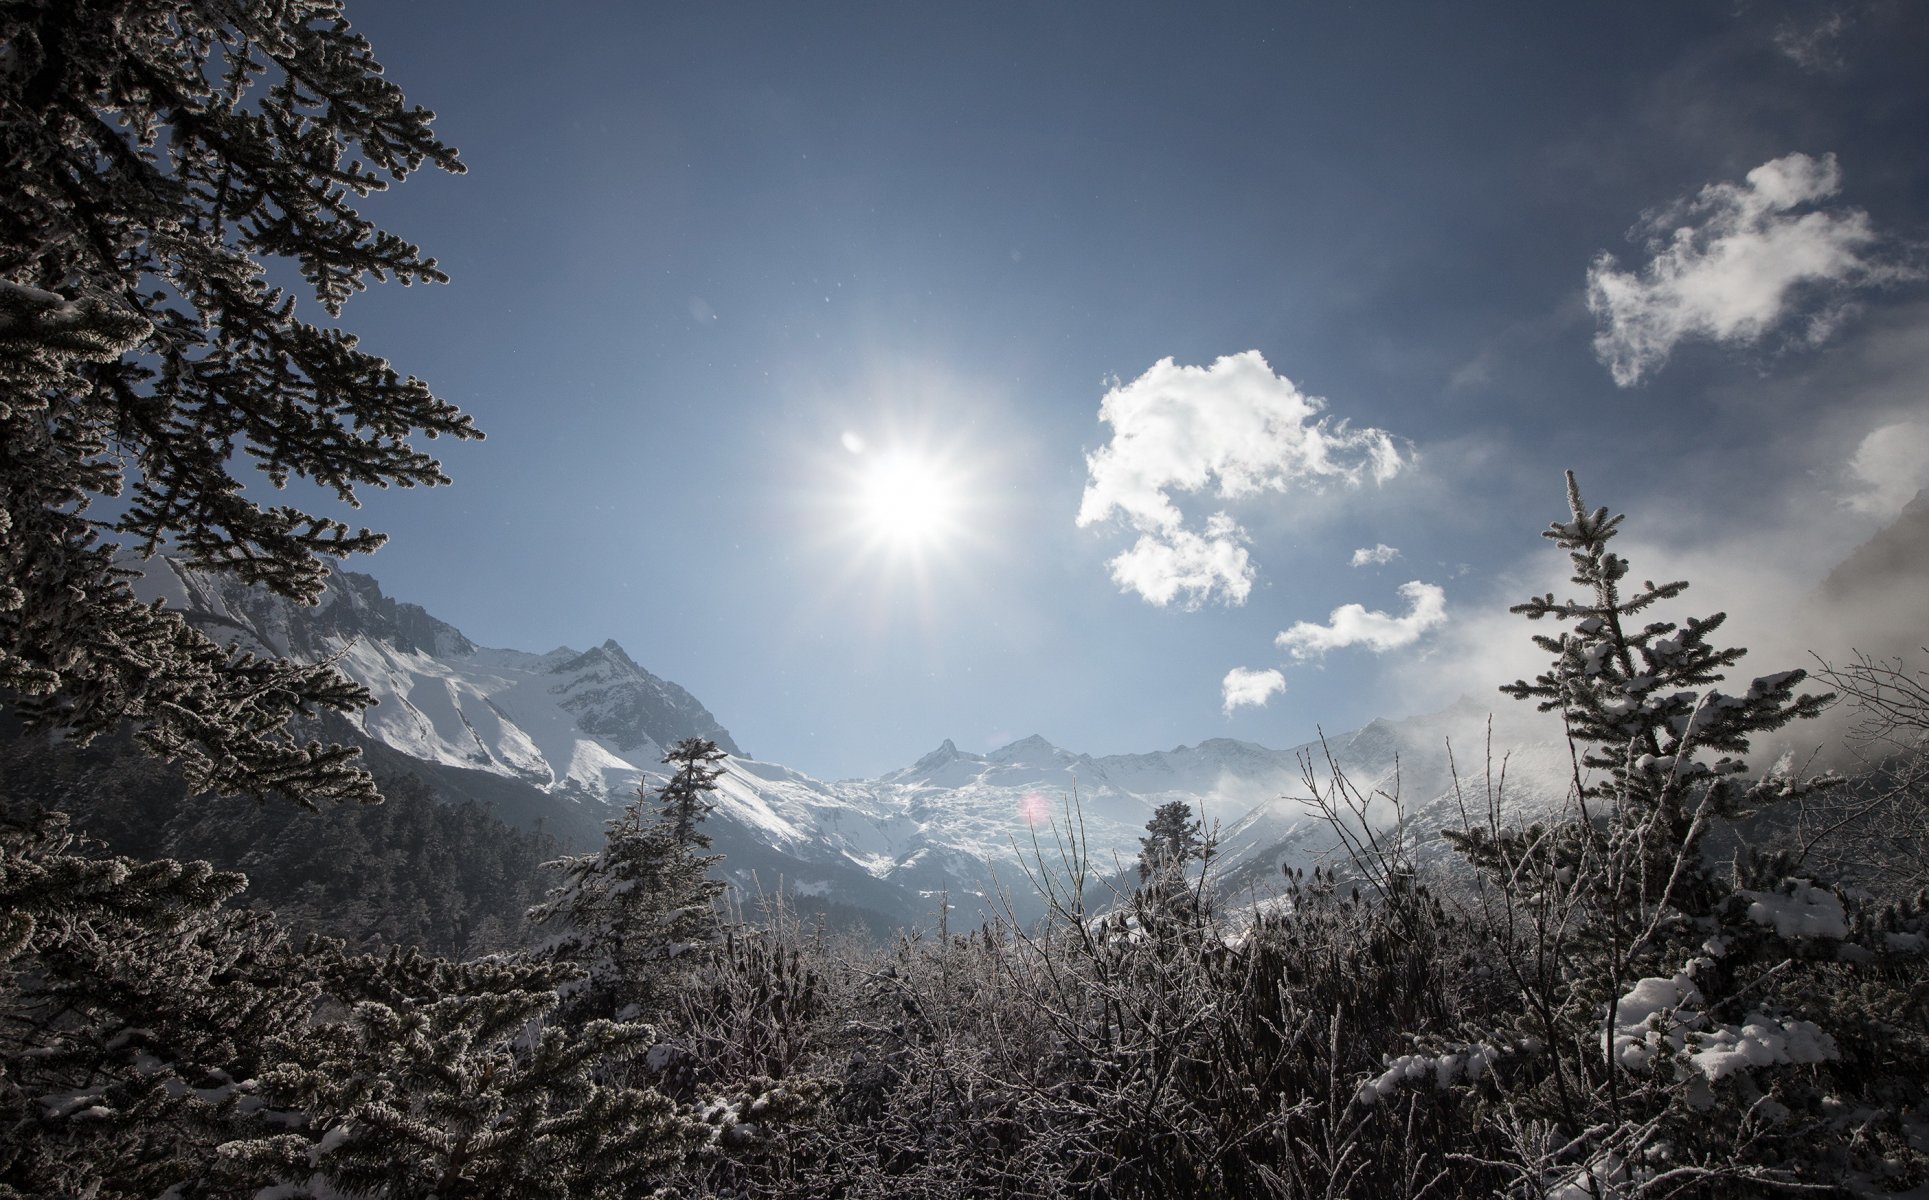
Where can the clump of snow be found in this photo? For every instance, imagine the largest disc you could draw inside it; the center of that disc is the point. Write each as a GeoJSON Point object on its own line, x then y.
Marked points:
{"type": "Point", "coordinates": [331, 1141]}
{"type": "Point", "coordinates": [57, 1106]}
{"type": "Point", "coordinates": [1465, 1062]}
{"type": "Point", "coordinates": [1800, 910]}
{"type": "Point", "coordinates": [661, 1057]}
{"type": "Point", "coordinates": [1659, 1012]}
{"type": "Point", "coordinates": [1606, 1178]}
{"type": "Point", "coordinates": [1760, 1041]}
{"type": "Point", "coordinates": [1655, 1011]}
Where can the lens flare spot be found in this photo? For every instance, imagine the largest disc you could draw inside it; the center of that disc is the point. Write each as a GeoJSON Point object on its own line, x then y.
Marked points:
{"type": "Point", "coordinates": [1033, 807]}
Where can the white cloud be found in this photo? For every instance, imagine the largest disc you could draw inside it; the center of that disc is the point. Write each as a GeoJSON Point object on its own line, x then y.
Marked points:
{"type": "Point", "coordinates": [1233, 429]}
{"type": "Point", "coordinates": [1728, 264]}
{"type": "Point", "coordinates": [1889, 467]}
{"type": "Point", "coordinates": [1243, 685]}
{"type": "Point", "coordinates": [1180, 562]}
{"type": "Point", "coordinates": [1379, 555]}
{"type": "Point", "coordinates": [1353, 625]}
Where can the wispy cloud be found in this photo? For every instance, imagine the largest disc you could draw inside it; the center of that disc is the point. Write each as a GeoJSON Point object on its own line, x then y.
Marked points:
{"type": "Point", "coordinates": [1244, 685]}
{"type": "Point", "coordinates": [1353, 625]}
{"type": "Point", "coordinates": [1233, 430]}
{"type": "Point", "coordinates": [1733, 263]}
{"type": "Point", "coordinates": [1813, 41]}
{"type": "Point", "coordinates": [1377, 555]}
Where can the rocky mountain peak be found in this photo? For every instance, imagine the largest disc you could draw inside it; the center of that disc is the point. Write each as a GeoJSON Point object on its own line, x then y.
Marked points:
{"type": "Point", "coordinates": [1033, 749]}
{"type": "Point", "coordinates": [946, 752]}
{"type": "Point", "coordinates": [442, 697]}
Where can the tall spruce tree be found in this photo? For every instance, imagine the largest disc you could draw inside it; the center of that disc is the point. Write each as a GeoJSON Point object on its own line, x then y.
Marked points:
{"type": "Point", "coordinates": [685, 797]}
{"type": "Point", "coordinates": [158, 155]}
{"type": "Point", "coordinates": [152, 1041]}
{"type": "Point", "coordinates": [632, 914]}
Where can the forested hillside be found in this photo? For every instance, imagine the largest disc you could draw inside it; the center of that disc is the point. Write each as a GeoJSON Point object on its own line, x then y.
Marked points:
{"type": "Point", "coordinates": [415, 870]}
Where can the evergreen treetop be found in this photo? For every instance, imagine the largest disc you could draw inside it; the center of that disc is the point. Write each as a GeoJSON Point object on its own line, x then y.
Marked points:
{"type": "Point", "coordinates": [683, 797]}
{"type": "Point", "coordinates": [1173, 838]}
{"type": "Point", "coordinates": [1628, 691]}
{"type": "Point", "coordinates": [628, 914]}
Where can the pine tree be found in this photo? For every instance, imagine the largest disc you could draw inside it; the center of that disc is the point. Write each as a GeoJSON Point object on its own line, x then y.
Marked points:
{"type": "Point", "coordinates": [1678, 1021]}
{"type": "Point", "coordinates": [153, 1041]}
{"type": "Point", "coordinates": [445, 1081]}
{"type": "Point", "coordinates": [630, 912]}
{"type": "Point", "coordinates": [683, 800]}
{"type": "Point", "coordinates": [1173, 838]}
{"type": "Point", "coordinates": [158, 154]}
{"type": "Point", "coordinates": [135, 1013]}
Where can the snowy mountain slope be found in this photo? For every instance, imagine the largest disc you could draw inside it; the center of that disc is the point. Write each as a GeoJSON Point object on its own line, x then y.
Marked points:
{"type": "Point", "coordinates": [567, 721]}
{"type": "Point", "coordinates": [1873, 599]}
{"type": "Point", "coordinates": [567, 737]}
{"type": "Point", "coordinates": [965, 821]}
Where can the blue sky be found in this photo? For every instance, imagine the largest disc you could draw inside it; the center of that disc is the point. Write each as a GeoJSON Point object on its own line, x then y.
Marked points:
{"type": "Point", "coordinates": [703, 250]}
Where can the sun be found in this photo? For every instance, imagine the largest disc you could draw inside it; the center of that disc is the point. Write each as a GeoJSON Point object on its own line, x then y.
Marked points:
{"type": "Point", "coordinates": [907, 500]}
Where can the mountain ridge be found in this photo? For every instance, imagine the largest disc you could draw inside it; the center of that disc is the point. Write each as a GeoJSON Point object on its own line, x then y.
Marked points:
{"type": "Point", "coordinates": [570, 736]}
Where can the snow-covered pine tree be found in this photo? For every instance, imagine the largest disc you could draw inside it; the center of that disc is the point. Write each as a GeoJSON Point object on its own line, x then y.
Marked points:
{"type": "Point", "coordinates": [1166, 901]}
{"type": "Point", "coordinates": [443, 1081]}
{"type": "Point", "coordinates": [627, 913]}
{"type": "Point", "coordinates": [134, 1013]}
{"type": "Point", "coordinates": [685, 797]}
{"type": "Point", "coordinates": [154, 1042]}
{"type": "Point", "coordinates": [157, 155]}
{"type": "Point", "coordinates": [1680, 1025]}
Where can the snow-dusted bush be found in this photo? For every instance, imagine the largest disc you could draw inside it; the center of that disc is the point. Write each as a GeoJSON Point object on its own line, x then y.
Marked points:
{"type": "Point", "coordinates": [1878, 835]}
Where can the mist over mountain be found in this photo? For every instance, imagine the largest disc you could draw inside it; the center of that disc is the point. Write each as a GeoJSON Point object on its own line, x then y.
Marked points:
{"type": "Point", "coordinates": [1875, 596]}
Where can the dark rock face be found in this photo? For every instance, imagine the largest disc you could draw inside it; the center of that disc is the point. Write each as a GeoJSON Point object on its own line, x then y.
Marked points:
{"type": "Point", "coordinates": [603, 689]}
{"type": "Point", "coordinates": [612, 697]}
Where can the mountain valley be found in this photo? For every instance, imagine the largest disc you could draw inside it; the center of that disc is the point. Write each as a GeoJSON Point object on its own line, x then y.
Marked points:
{"type": "Point", "coordinates": [558, 741]}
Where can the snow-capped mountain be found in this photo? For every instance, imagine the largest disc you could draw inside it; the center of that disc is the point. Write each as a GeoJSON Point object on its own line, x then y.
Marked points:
{"type": "Point", "coordinates": [567, 737]}
{"type": "Point", "coordinates": [583, 722]}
